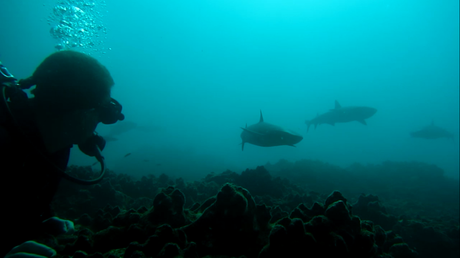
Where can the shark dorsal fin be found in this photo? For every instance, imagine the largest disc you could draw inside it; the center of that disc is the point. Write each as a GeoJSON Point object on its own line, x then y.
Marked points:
{"type": "Point", "coordinates": [261, 117]}
{"type": "Point", "coordinates": [337, 105]}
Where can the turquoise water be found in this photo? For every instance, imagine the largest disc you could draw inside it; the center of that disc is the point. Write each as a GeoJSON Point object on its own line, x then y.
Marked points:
{"type": "Point", "coordinates": [191, 73]}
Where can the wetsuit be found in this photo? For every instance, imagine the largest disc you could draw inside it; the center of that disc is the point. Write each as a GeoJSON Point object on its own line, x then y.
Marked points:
{"type": "Point", "coordinates": [28, 182]}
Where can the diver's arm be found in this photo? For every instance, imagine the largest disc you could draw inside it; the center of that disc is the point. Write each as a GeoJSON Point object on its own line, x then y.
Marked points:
{"type": "Point", "coordinates": [58, 226]}
{"type": "Point", "coordinates": [31, 249]}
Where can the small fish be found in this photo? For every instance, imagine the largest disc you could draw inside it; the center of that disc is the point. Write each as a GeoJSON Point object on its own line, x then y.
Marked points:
{"type": "Point", "coordinates": [127, 154]}
{"type": "Point", "coordinates": [94, 164]}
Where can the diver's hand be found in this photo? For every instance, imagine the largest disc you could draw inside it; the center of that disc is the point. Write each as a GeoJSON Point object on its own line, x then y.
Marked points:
{"type": "Point", "coordinates": [57, 226]}
{"type": "Point", "coordinates": [31, 249]}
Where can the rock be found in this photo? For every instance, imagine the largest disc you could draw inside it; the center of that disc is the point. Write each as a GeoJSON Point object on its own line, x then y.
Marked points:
{"type": "Point", "coordinates": [231, 221]}
{"type": "Point", "coordinates": [402, 250]}
{"type": "Point", "coordinates": [168, 207]}
{"type": "Point", "coordinates": [338, 212]}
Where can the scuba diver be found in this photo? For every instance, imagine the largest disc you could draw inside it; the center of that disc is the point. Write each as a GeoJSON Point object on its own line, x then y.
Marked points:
{"type": "Point", "coordinates": [71, 96]}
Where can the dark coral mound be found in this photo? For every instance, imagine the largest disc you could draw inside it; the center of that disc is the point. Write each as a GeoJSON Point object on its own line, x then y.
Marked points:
{"type": "Point", "coordinates": [251, 214]}
{"type": "Point", "coordinates": [231, 225]}
{"type": "Point", "coordinates": [234, 225]}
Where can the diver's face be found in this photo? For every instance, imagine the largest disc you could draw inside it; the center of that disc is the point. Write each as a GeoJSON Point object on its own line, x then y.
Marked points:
{"type": "Point", "coordinates": [63, 127]}
{"type": "Point", "coordinates": [59, 130]}
{"type": "Point", "coordinates": [83, 122]}
{"type": "Point", "coordinates": [81, 125]}
{"type": "Point", "coordinates": [78, 125]}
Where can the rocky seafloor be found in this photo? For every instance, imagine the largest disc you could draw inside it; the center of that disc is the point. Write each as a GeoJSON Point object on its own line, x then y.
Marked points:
{"type": "Point", "coordinates": [301, 209]}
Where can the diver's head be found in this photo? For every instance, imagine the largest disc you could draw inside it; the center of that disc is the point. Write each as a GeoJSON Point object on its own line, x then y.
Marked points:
{"type": "Point", "coordinates": [71, 80]}
{"type": "Point", "coordinates": [72, 95]}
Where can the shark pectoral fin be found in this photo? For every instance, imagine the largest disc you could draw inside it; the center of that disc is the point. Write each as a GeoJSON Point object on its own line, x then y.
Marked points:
{"type": "Point", "coordinates": [292, 145]}
{"type": "Point", "coordinates": [362, 121]}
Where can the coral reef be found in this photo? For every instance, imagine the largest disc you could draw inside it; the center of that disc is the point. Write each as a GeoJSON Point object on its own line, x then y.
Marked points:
{"type": "Point", "coordinates": [252, 214]}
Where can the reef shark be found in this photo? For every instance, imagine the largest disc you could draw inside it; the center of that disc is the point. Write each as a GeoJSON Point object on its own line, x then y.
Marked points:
{"type": "Point", "coordinates": [432, 132]}
{"type": "Point", "coordinates": [268, 135]}
{"type": "Point", "coordinates": [342, 115]}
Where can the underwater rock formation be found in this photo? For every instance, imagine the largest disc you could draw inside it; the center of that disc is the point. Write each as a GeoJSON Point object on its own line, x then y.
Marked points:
{"type": "Point", "coordinates": [232, 224]}
{"type": "Point", "coordinates": [370, 208]}
{"type": "Point", "coordinates": [220, 216]}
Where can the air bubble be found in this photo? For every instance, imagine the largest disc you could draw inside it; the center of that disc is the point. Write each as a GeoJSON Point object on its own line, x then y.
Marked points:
{"type": "Point", "coordinates": [78, 24]}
